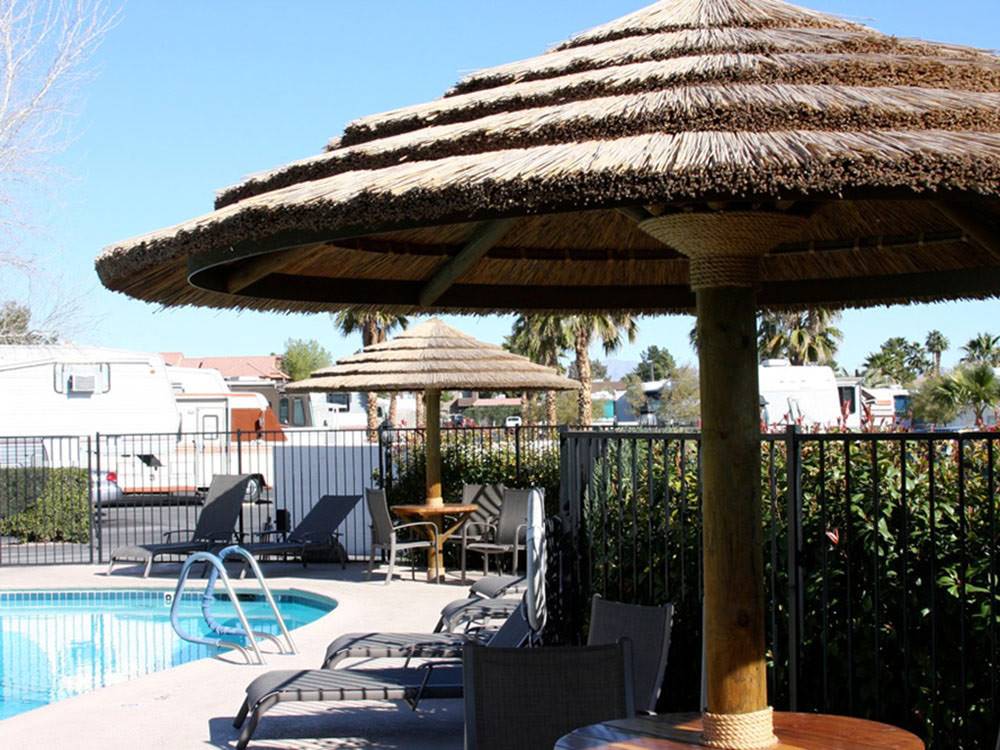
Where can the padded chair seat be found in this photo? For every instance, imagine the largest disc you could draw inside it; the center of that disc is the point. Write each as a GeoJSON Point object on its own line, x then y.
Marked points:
{"type": "Point", "coordinates": [393, 684]}
{"type": "Point", "coordinates": [142, 552]}
{"type": "Point", "coordinates": [395, 645]}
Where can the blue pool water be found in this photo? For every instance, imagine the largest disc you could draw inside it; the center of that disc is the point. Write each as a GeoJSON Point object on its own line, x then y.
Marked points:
{"type": "Point", "coordinates": [56, 644]}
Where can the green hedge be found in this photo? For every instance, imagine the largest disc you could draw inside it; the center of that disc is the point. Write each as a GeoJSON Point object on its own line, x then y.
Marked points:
{"type": "Point", "coordinates": [45, 505]}
{"type": "Point", "coordinates": [20, 488]}
{"type": "Point", "coordinates": [893, 572]}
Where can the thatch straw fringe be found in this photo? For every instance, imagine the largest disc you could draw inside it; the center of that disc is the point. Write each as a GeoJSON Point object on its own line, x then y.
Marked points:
{"type": "Point", "coordinates": [673, 15]}
{"type": "Point", "coordinates": [704, 41]}
{"type": "Point", "coordinates": [792, 68]}
{"type": "Point", "coordinates": [730, 105]}
{"type": "Point", "coordinates": [447, 359]}
{"type": "Point", "coordinates": [648, 168]}
{"type": "Point", "coordinates": [749, 108]}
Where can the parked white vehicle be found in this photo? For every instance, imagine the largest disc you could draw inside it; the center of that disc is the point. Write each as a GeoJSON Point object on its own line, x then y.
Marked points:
{"type": "Point", "coordinates": [63, 390]}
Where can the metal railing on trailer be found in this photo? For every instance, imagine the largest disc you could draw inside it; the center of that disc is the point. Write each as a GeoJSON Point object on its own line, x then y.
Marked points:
{"type": "Point", "coordinates": [880, 553]}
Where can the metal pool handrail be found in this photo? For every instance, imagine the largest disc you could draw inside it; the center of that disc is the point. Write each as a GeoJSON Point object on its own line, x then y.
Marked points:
{"type": "Point", "coordinates": [238, 551]}
{"type": "Point", "coordinates": [218, 571]}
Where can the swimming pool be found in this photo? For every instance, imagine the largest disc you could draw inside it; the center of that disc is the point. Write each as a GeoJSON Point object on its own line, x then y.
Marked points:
{"type": "Point", "coordinates": [56, 644]}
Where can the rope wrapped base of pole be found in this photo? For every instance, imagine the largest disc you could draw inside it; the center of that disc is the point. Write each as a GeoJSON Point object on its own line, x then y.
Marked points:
{"type": "Point", "coordinates": [750, 731]}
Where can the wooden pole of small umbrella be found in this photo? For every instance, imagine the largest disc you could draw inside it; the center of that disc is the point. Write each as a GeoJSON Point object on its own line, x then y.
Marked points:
{"type": "Point", "coordinates": [432, 447]}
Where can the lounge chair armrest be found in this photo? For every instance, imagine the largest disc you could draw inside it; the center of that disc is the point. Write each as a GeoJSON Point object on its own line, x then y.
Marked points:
{"type": "Point", "coordinates": [168, 534]}
{"type": "Point", "coordinates": [319, 537]}
{"type": "Point", "coordinates": [484, 525]}
{"type": "Point", "coordinates": [521, 534]}
{"type": "Point", "coordinates": [263, 534]}
{"type": "Point", "coordinates": [228, 537]}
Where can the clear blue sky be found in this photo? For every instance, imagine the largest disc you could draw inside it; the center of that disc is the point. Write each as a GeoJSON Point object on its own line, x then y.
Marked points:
{"type": "Point", "coordinates": [188, 96]}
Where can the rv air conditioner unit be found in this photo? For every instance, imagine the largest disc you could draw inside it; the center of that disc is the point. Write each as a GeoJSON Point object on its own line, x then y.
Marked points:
{"type": "Point", "coordinates": [82, 383]}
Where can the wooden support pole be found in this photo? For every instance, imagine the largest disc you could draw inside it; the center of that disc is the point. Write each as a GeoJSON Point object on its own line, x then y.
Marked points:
{"type": "Point", "coordinates": [730, 454]}
{"type": "Point", "coordinates": [486, 236]}
{"type": "Point", "coordinates": [432, 447]}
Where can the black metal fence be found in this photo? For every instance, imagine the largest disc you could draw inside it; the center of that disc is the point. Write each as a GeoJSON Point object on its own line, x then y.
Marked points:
{"type": "Point", "coordinates": [75, 499]}
{"type": "Point", "coordinates": [880, 567]}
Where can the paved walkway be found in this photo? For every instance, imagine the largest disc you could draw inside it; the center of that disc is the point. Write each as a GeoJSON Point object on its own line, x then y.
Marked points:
{"type": "Point", "coordinates": [191, 706]}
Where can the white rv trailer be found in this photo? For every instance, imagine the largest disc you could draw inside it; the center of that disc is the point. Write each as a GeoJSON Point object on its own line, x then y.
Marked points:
{"type": "Point", "coordinates": [798, 395]}
{"type": "Point", "coordinates": [886, 406]}
{"type": "Point", "coordinates": [66, 390]}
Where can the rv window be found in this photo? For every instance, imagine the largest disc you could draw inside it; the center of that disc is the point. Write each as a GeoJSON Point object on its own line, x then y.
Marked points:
{"type": "Point", "coordinates": [283, 411]}
{"type": "Point", "coordinates": [210, 426]}
{"type": "Point", "coordinates": [342, 400]}
{"type": "Point", "coordinates": [848, 396]}
{"type": "Point", "coordinates": [298, 414]}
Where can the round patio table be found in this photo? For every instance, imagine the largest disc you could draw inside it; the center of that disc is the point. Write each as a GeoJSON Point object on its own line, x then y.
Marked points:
{"type": "Point", "coordinates": [795, 731]}
{"type": "Point", "coordinates": [437, 515]}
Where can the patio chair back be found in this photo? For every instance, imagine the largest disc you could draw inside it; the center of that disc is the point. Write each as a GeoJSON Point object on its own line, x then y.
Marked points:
{"type": "Point", "coordinates": [489, 498]}
{"type": "Point", "coordinates": [222, 507]}
{"type": "Point", "coordinates": [648, 630]}
{"type": "Point", "coordinates": [529, 698]}
{"type": "Point", "coordinates": [513, 516]}
{"type": "Point", "coordinates": [325, 516]}
{"type": "Point", "coordinates": [378, 507]}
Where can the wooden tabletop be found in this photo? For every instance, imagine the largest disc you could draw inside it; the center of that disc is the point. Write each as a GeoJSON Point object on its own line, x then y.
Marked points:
{"type": "Point", "coordinates": [426, 511]}
{"type": "Point", "coordinates": [795, 732]}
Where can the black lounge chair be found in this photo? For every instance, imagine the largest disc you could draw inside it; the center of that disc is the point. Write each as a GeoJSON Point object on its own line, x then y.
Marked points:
{"type": "Point", "coordinates": [430, 681]}
{"type": "Point", "coordinates": [435, 645]}
{"type": "Point", "coordinates": [646, 628]}
{"type": "Point", "coordinates": [317, 531]}
{"type": "Point", "coordinates": [215, 526]}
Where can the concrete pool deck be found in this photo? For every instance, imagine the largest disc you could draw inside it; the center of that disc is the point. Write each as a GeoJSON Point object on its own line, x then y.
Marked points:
{"type": "Point", "coordinates": [192, 706]}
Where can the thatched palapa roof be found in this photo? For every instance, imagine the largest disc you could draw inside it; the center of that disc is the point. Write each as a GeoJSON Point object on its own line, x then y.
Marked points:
{"type": "Point", "coordinates": [523, 186]}
{"type": "Point", "coordinates": [435, 356]}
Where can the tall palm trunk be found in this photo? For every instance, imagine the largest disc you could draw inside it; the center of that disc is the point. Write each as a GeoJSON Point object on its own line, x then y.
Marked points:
{"type": "Point", "coordinates": [393, 410]}
{"type": "Point", "coordinates": [581, 343]}
{"type": "Point", "coordinates": [551, 416]}
{"type": "Point", "coordinates": [937, 363]}
{"type": "Point", "coordinates": [372, 409]}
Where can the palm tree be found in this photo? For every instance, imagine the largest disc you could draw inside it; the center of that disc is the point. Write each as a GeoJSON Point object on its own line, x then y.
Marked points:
{"type": "Point", "coordinates": [808, 337]}
{"type": "Point", "coordinates": [542, 339]}
{"type": "Point", "coordinates": [974, 386]}
{"type": "Point", "coordinates": [375, 328]}
{"type": "Point", "coordinates": [983, 349]}
{"type": "Point", "coordinates": [583, 328]}
{"type": "Point", "coordinates": [936, 344]}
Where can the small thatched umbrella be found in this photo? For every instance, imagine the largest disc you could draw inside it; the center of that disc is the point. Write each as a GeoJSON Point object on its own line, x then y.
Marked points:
{"type": "Point", "coordinates": [709, 155]}
{"type": "Point", "coordinates": [434, 357]}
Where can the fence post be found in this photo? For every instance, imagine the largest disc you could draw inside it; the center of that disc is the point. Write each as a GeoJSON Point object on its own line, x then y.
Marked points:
{"type": "Point", "coordinates": [381, 460]}
{"type": "Point", "coordinates": [239, 470]}
{"type": "Point", "coordinates": [99, 509]}
{"type": "Point", "coordinates": [94, 512]}
{"type": "Point", "coordinates": [239, 452]}
{"type": "Point", "coordinates": [793, 471]}
{"type": "Point", "coordinates": [517, 454]}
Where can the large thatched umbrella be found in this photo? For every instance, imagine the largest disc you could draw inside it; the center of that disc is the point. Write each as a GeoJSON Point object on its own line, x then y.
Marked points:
{"type": "Point", "coordinates": [711, 155]}
{"type": "Point", "coordinates": [434, 357]}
